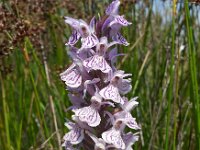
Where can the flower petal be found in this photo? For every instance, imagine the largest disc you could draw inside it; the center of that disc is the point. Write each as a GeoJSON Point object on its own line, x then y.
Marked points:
{"type": "Point", "coordinates": [97, 62]}
{"type": "Point", "coordinates": [120, 20]}
{"type": "Point", "coordinates": [129, 105]}
{"type": "Point", "coordinates": [120, 39]}
{"type": "Point", "coordinates": [127, 119]}
{"type": "Point", "coordinates": [88, 115]}
{"type": "Point", "coordinates": [113, 136]}
{"type": "Point", "coordinates": [75, 136]}
{"type": "Point", "coordinates": [72, 78]}
{"type": "Point", "coordinates": [93, 24]}
{"type": "Point", "coordinates": [130, 139]}
{"type": "Point", "coordinates": [73, 39]}
{"type": "Point", "coordinates": [113, 8]}
{"type": "Point", "coordinates": [74, 23]}
{"type": "Point", "coordinates": [125, 86]}
{"type": "Point", "coordinates": [111, 92]}
{"type": "Point", "coordinates": [130, 122]}
{"type": "Point", "coordinates": [89, 41]}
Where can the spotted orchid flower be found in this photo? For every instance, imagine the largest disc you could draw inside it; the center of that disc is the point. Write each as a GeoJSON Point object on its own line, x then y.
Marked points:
{"type": "Point", "coordinates": [125, 115]}
{"type": "Point", "coordinates": [98, 62]}
{"type": "Point", "coordinates": [123, 84]}
{"type": "Point", "coordinates": [111, 92]}
{"type": "Point", "coordinates": [75, 135]}
{"type": "Point", "coordinates": [127, 119]}
{"type": "Point", "coordinates": [129, 139]}
{"type": "Point", "coordinates": [117, 86]}
{"type": "Point", "coordinates": [72, 77]}
{"type": "Point", "coordinates": [82, 30]}
{"type": "Point", "coordinates": [114, 136]}
{"type": "Point", "coordinates": [90, 114]}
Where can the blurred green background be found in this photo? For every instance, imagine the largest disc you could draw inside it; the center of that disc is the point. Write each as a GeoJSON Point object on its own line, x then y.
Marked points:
{"type": "Point", "coordinates": [163, 57]}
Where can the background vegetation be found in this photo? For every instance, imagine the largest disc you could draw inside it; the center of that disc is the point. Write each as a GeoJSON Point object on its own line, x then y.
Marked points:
{"type": "Point", "coordinates": [163, 57]}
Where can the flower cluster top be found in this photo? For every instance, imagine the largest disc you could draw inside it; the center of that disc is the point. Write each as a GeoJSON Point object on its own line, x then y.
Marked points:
{"type": "Point", "coordinates": [96, 88]}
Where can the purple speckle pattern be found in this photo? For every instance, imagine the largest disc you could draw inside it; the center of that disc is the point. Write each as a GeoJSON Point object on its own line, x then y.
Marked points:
{"type": "Point", "coordinates": [111, 93]}
{"type": "Point", "coordinates": [120, 39]}
{"type": "Point", "coordinates": [121, 20]}
{"type": "Point", "coordinates": [113, 136]}
{"type": "Point", "coordinates": [72, 78]}
{"type": "Point", "coordinates": [89, 115]}
{"type": "Point", "coordinates": [89, 41]}
{"type": "Point", "coordinates": [73, 39]}
{"type": "Point", "coordinates": [97, 63]}
{"type": "Point", "coordinates": [75, 136]}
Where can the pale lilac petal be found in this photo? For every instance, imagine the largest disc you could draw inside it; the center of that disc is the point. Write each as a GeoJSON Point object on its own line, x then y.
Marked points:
{"type": "Point", "coordinates": [113, 8]}
{"type": "Point", "coordinates": [111, 93]}
{"type": "Point", "coordinates": [120, 39]}
{"type": "Point", "coordinates": [89, 41]}
{"type": "Point", "coordinates": [96, 99]}
{"type": "Point", "coordinates": [119, 73]}
{"type": "Point", "coordinates": [74, 23]}
{"type": "Point", "coordinates": [72, 78]}
{"type": "Point", "coordinates": [127, 119]}
{"type": "Point", "coordinates": [103, 40]}
{"type": "Point", "coordinates": [128, 106]}
{"type": "Point", "coordinates": [129, 140]}
{"type": "Point", "coordinates": [74, 136]}
{"type": "Point", "coordinates": [97, 62]}
{"type": "Point", "coordinates": [93, 24]}
{"type": "Point", "coordinates": [84, 29]}
{"type": "Point", "coordinates": [88, 115]}
{"type": "Point", "coordinates": [131, 122]}
{"type": "Point", "coordinates": [125, 86]}
{"type": "Point", "coordinates": [127, 75]}
{"type": "Point", "coordinates": [113, 136]}
{"type": "Point", "coordinates": [120, 20]}
{"type": "Point", "coordinates": [73, 39]}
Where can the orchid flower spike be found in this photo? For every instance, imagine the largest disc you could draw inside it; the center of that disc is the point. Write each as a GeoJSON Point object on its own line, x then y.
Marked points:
{"type": "Point", "coordinates": [96, 88]}
{"type": "Point", "coordinates": [82, 30]}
